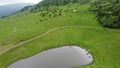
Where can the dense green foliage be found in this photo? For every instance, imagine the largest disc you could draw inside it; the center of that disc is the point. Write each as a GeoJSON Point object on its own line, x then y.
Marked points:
{"type": "Point", "coordinates": [26, 8]}
{"type": "Point", "coordinates": [108, 12]}
{"type": "Point", "coordinates": [62, 2]}
{"type": "Point", "coordinates": [47, 3]}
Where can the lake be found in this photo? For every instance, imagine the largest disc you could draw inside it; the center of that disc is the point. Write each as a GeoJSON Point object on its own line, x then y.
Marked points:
{"type": "Point", "coordinates": [61, 57]}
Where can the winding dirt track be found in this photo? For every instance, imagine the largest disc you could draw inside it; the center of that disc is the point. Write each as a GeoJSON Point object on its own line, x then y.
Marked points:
{"type": "Point", "coordinates": [54, 29]}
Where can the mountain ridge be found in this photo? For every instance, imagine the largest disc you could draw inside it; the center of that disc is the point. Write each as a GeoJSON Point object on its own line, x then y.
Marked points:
{"type": "Point", "coordinates": [6, 10]}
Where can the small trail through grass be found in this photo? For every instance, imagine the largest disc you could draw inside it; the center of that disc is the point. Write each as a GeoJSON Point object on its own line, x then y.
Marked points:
{"type": "Point", "coordinates": [4, 50]}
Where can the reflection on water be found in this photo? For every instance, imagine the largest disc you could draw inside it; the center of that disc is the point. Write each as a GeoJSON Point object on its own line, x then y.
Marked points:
{"type": "Point", "coordinates": [62, 57]}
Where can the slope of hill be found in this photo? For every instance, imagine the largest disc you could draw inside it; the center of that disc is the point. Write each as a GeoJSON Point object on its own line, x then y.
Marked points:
{"type": "Point", "coordinates": [6, 10]}
{"type": "Point", "coordinates": [29, 33]}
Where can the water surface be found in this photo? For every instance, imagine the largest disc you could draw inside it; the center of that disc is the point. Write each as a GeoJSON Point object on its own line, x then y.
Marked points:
{"type": "Point", "coordinates": [62, 57]}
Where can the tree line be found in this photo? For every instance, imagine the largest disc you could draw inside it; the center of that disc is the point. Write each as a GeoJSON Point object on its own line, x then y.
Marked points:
{"type": "Point", "coordinates": [62, 2]}
{"type": "Point", "coordinates": [108, 12]}
{"type": "Point", "coordinates": [47, 3]}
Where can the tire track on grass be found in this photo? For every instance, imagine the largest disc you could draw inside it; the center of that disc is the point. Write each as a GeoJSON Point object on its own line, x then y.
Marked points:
{"type": "Point", "coordinates": [49, 31]}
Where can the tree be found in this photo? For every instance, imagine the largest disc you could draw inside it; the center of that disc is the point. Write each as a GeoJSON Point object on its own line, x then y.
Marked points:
{"type": "Point", "coordinates": [108, 12]}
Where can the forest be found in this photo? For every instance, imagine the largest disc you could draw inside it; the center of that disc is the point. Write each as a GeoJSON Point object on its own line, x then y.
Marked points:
{"type": "Point", "coordinates": [108, 12]}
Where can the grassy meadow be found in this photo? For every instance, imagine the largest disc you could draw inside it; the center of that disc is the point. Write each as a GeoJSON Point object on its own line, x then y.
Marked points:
{"type": "Point", "coordinates": [78, 28]}
{"type": "Point", "coordinates": [23, 26]}
{"type": "Point", "coordinates": [103, 45]}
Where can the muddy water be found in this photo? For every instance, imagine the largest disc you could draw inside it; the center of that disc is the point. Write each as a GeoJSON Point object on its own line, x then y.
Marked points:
{"type": "Point", "coordinates": [62, 57]}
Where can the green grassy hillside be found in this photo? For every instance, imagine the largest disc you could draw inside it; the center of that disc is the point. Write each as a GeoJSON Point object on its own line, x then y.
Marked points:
{"type": "Point", "coordinates": [103, 45]}
{"type": "Point", "coordinates": [23, 26]}
{"type": "Point", "coordinates": [70, 28]}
